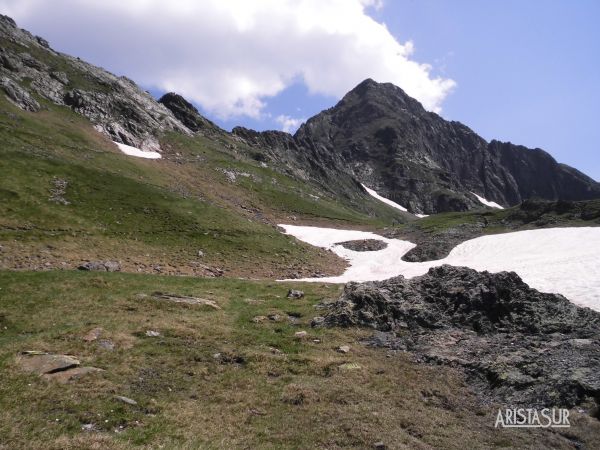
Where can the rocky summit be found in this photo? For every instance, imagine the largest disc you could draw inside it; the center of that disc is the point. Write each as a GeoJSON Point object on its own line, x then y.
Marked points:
{"type": "Point", "coordinates": [383, 138]}
{"type": "Point", "coordinates": [515, 344]}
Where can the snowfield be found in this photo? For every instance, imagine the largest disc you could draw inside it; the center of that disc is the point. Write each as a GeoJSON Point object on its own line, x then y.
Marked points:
{"type": "Point", "coordinates": [559, 260]}
{"type": "Point", "coordinates": [487, 202]}
{"type": "Point", "coordinates": [133, 151]}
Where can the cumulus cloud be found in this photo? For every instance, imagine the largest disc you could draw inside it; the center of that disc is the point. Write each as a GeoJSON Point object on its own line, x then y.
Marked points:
{"type": "Point", "coordinates": [288, 124]}
{"type": "Point", "coordinates": [231, 56]}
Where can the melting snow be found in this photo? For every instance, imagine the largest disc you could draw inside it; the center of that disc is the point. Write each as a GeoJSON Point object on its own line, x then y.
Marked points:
{"type": "Point", "coordinates": [559, 260]}
{"type": "Point", "coordinates": [133, 151]}
{"type": "Point", "coordinates": [487, 202]}
{"type": "Point", "coordinates": [372, 193]}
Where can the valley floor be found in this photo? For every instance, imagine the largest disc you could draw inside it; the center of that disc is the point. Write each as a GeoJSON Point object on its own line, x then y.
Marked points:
{"type": "Point", "coordinates": [235, 377]}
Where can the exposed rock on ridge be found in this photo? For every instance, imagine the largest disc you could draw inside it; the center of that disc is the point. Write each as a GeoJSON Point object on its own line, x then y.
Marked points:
{"type": "Point", "coordinates": [515, 343]}
{"type": "Point", "coordinates": [115, 105]}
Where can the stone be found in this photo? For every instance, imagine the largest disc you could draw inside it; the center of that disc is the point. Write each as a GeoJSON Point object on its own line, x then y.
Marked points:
{"type": "Point", "coordinates": [379, 446]}
{"type": "Point", "coordinates": [174, 298]}
{"type": "Point", "coordinates": [126, 400]}
{"type": "Point", "coordinates": [300, 334]}
{"type": "Point", "coordinates": [69, 375]}
{"type": "Point", "coordinates": [93, 334]}
{"type": "Point", "coordinates": [317, 322]}
{"type": "Point", "coordinates": [106, 344]}
{"type": "Point", "coordinates": [343, 349]}
{"type": "Point", "coordinates": [364, 245]}
{"type": "Point", "coordinates": [152, 333]}
{"type": "Point", "coordinates": [20, 96]}
{"type": "Point", "coordinates": [40, 363]}
{"type": "Point", "coordinates": [350, 366]}
{"type": "Point", "coordinates": [101, 266]}
{"type": "Point", "coordinates": [293, 293]}
{"type": "Point", "coordinates": [259, 319]}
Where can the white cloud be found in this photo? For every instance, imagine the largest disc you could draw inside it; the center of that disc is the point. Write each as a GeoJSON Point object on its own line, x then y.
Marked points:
{"type": "Point", "coordinates": [230, 56]}
{"type": "Point", "coordinates": [288, 124]}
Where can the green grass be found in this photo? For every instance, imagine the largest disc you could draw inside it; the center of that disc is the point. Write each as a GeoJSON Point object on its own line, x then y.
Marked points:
{"type": "Point", "coordinates": [149, 213]}
{"type": "Point", "coordinates": [252, 396]}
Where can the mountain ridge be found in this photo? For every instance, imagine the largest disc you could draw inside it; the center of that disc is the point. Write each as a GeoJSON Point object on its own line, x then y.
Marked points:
{"type": "Point", "coordinates": [376, 135]}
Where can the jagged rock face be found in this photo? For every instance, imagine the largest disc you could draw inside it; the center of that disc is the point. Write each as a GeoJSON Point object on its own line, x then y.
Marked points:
{"type": "Point", "coordinates": [389, 142]}
{"type": "Point", "coordinates": [115, 105]}
{"type": "Point", "coordinates": [516, 343]}
{"type": "Point", "coordinates": [187, 114]}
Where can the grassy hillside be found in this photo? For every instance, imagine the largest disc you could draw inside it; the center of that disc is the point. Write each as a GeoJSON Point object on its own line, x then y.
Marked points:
{"type": "Point", "coordinates": [68, 195]}
{"type": "Point", "coordinates": [217, 379]}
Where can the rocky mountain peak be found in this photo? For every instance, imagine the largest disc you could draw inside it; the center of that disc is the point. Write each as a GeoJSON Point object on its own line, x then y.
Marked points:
{"type": "Point", "coordinates": [187, 113]}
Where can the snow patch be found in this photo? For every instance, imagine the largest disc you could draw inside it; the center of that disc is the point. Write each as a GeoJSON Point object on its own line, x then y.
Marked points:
{"type": "Point", "coordinates": [559, 260]}
{"type": "Point", "coordinates": [487, 202]}
{"type": "Point", "coordinates": [372, 193]}
{"type": "Point", "coordinates": [133, 151]}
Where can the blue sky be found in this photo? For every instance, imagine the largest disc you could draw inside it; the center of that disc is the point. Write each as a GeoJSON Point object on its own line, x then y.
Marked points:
{"type": "Point", "coordinates": [519, 71]}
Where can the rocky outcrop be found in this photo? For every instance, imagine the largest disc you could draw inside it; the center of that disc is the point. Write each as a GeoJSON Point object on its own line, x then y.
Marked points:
{"type": "Point", "coordinates": [364, 245]}
{"type": "Point", "coordinates": [18, 95]}
{"type": "Point", "coordinates": [379, 136]}
{"type": "Point", "coordinates": [115, 105]}
{"type": "Point", "coordinates": [389, 142]}
{"type": "Point", "coordinates": [521, 346]}
{"type": "Point", "coordinates": [187, 114]}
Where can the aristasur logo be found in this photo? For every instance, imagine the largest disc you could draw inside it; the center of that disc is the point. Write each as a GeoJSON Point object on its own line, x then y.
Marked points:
{"type": "Point", "coordinates": [532, 418]}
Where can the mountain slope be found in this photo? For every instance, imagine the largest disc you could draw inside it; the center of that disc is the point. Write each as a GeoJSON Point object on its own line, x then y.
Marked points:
{"type": "Point", "coordinates": [379, 136]}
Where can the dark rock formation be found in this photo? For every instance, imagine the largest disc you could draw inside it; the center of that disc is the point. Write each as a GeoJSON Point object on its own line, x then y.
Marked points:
{"type": "Point", "coordinates": [389, 142]}
{"type": "Point", "coordinates": [383, 138]}
{"type": "Point", "coordinates": [515, 343]}
{"type": "Point", "coordinates": [364, 245]}
{"type": "Point", "coordinates": [533, 213]}
{"type": "Point", "coordinates": [187, 113]}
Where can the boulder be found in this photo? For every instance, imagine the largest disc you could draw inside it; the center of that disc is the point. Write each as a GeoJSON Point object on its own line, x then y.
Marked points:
{"type": "Point", "coordinates": [293, 293]}
{"type": "Point", "coordinates": [19, 96]}
{"type": "Point", "coordinates": [45, 363]}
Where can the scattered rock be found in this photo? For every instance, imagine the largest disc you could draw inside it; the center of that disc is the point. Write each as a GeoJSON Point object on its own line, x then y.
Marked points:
{"type": "Point", "coordinates": [276, 317]}
{"type": "Point", "coordinates": [200, 253]}
{"type": "Point", "coordinates": [57, 193]}
{"type": "Point", "coordinates": [151, 333]}
{"type": "Point", "coordinates": [44, 363]}
{"type": "Point", "coordinates": [88, 427]}
{"type": "Point", "coordinates": [350, 366]}
{"type": "Point", "coordinates": [106, 344]}
{"type": "Point", "coordinates": [127, 400]}
{"type": "Point", "coordinates": [293, 293]}
{"type": "Point", "coordinates": [75, 373]}
{"type": "Point", "coordinates": [379, 446]}
{"type": "Point", "coordinates": [300, 334]}
{"type": "Point", "coordinates": [229, 358]}
{"type": "Point", "coordinates": [259, 319]}
{"type": "Point", "coordinates": [93, 335]}
{"type": "Point", "coordinates": [364, 245]}
{"type": "Point", "coordinates": [101, 266]}
{"type": "Point", "coordinates": [343, 349]}
{"type": "Point", "coordinates": [185, 299]}
{"type": "Point", "coordinates": [317, 322]}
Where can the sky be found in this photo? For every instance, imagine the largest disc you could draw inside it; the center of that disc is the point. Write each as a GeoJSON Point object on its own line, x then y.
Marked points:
{"type": "Point", "coordinates": [520, 71]}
